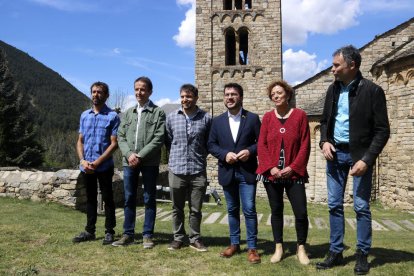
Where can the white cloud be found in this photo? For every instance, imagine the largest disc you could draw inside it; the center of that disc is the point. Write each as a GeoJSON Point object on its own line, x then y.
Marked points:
{"type": "Point", "coordinates": [164, 101]}
{"type": "Point", "coordinates": [303, 17]}
{"type": "Point", "coordinates": [115, 52]}
{"type": "Point", "coordinates": [66, 5]}
{"type": "Point", "coordinates": [129, 101]}
{"type": "Point", "coordinates": [186, 31]}
{"type": "Point", "coordinates": [299, 66]}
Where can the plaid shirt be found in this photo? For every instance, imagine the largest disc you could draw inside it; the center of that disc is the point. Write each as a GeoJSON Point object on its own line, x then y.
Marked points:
{"type": "Point", "coordinates": [187, 141]}
{"type": "Point", "coordinates": [97, 130]}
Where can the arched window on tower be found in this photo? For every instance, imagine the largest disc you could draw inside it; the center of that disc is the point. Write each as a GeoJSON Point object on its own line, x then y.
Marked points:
{"type": "Point", "coordinates": [230, 40]}
{"type": "Point", "coordinates": [243, 46]}
{"type": "Point", "coordinates": [238, 4]}
{"type": "Point", "coordinates": [227, 4]}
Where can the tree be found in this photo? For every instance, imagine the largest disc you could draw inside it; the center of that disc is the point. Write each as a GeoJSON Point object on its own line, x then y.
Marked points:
{"type": "Point", "coordinates": [118, 100]}
{"type": "Point", "coordinates": [18, 146]}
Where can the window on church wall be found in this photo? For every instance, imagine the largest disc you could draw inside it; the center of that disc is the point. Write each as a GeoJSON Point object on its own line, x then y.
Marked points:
{"type": "Point", "coordinates": [230, 41]}
{"type": "Point", "coordinates": [227, 4]}
{"type": "Point", "coordinates": [238, 4]}
{"type": "Point", "coordinates": [247, 4]}
{"type": "Point", "coordinates": [243, 46]}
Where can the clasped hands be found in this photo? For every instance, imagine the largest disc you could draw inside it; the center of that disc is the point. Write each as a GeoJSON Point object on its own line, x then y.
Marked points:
{"type": "Point", "coordinates": [89, 167]}
{"type": "Point", "coordinates": [134, 160]}
{"type": "Point", "coordinates": [232, 157]}
{"type": "Point", "coordinates": [285, 173]}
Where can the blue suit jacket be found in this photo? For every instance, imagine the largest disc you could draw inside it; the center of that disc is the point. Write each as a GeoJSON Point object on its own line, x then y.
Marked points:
{"type": "Point", "coordinates": [221, 142]}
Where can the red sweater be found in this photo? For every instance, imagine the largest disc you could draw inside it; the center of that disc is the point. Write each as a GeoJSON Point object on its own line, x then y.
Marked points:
{"type": "Point", "coordinates": [296, 140]}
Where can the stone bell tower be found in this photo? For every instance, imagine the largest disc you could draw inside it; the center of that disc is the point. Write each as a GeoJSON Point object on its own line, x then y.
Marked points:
{"type": "Point", "coordinates": [237, 41]}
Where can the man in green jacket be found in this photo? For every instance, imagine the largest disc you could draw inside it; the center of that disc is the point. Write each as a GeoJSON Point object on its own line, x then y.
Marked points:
{"type": "Point", "coordinates": [140, 137]}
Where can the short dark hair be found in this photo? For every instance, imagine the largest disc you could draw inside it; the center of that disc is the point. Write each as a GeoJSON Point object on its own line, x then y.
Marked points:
{"type": "Point", "coordinates": [188, 87]}
{"type": "Point", "coordinates": [145, 80]}
{"type": "Point", "coordinates": [235, 86]}
{"type": "Point", "coordinates": [288, 89]}
{"type": "Point", "coordinates": [102, 85]}
{"type": "Point", "coordinates": [349, 53]}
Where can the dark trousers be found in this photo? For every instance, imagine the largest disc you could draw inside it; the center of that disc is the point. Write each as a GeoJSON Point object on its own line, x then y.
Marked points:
{"type": "Point", "coordinates": [180, 186]}
{"type": "Point", "coordinates": [105, 184]}
{"type": "Point", "coordinates": [295, 191]}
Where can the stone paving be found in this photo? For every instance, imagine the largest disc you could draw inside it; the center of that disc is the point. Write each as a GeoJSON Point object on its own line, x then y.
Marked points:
{"type": "Point", "coordinates": [378, 224]}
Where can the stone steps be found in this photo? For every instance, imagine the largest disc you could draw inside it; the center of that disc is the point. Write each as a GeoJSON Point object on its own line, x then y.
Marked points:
{"type": "Point", "coordinates": [289, 220]}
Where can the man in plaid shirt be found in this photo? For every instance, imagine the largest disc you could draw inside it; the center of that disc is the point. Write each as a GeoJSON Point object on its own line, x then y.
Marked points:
{"type": "Point", "coordinates": [187, 133]}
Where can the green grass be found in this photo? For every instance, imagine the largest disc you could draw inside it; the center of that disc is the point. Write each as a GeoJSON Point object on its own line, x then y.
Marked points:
{"type": "Point", "coordinates": [35, 238]}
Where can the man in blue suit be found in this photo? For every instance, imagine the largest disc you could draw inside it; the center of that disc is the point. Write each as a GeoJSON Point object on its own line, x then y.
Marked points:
{"type": "Point", "coordinates": [232, 141]}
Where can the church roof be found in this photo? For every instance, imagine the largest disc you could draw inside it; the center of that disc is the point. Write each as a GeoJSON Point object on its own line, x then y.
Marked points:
{"type": "Point", "coordinates": [405, 50]}
{"type": "Point", "coordinates": [323, 72]}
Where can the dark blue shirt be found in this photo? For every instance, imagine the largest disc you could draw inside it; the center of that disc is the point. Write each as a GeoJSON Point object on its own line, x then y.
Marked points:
{"type": "Point", "coordinates": [97, 130]}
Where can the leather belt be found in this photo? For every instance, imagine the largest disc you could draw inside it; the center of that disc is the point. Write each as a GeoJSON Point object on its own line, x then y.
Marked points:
{"type": "Point", "coordinates": [343, 147]}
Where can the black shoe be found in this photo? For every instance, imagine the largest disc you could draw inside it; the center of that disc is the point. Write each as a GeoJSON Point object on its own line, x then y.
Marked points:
{"type": "Point", "coordinates": [83, 237]}
{"type": "Point", "coordinates": [331, 260]}
{"type": "Point", "coordinates": [361, 265]}
{"type": "Point", "coordinates": [175, 245]}
{"type": "Point", "coordinates": [109, 239]}
{"type": "Point", "coordinates": [199, 246]}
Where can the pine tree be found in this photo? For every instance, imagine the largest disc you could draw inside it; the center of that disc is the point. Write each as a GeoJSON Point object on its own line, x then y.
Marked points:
{"type": "Point", "coordinates": [18, 146]}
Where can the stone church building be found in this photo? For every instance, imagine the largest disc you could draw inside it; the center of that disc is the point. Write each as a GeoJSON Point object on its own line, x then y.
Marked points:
{"type": "Point", "coordinates": [388, 60]}
{"type": "Point", "coordinates": [240, 41]}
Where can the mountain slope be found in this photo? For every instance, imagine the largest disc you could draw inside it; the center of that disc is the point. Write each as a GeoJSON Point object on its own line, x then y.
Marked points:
{"type": "Point", "coordinates": [56, 101]}
{"type": "Point", "coordinates": [55, 106]}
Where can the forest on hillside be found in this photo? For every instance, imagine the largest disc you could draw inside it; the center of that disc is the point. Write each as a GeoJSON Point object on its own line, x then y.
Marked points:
{"type": "Point", "coordinates": [53, 107]}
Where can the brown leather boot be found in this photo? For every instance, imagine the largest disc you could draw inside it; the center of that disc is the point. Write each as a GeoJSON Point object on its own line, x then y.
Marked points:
{"type": "Point", "coordinates": [253, 256]}
{"type": "Point", "coordinates": [230, 251]}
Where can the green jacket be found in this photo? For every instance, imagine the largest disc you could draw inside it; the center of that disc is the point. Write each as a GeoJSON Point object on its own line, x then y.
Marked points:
{"type": "Point", "coordinates": [150, 134]}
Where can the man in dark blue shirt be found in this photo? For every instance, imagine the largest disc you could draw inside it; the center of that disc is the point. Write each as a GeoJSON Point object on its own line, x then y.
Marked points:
{"type": "Point", "coordinates": [96, 143]}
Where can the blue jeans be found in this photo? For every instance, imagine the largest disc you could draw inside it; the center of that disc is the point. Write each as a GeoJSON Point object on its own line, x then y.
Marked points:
{"type": "Point", "coordinates": [337, 173]}
{"type": "Point", "coordinates": [246, 192]}
{"type": "Point", "coordinates": [149, 179]}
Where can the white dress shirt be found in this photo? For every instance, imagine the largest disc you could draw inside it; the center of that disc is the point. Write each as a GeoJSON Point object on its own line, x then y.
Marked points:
{"type": "Point", "coordinates": [234, 121]}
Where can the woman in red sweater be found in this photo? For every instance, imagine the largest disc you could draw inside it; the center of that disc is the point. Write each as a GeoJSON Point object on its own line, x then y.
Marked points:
{"type": "Point", "coordinates": [283, 151]}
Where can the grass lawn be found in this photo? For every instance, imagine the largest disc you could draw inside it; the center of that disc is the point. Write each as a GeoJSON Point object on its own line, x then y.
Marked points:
{"type": "Point", "coordinates": [35, 238]}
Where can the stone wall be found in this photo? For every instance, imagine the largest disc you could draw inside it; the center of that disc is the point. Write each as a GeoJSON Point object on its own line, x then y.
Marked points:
{"type": "Point", "coordinates": [63, 186]}
{"type": "Point", "coordinates": [396, 173]}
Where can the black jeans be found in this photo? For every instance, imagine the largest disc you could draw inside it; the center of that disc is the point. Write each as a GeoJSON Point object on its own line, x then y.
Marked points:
{"type": "Point", "coordinates": [105, 183]}
{"type": "Point", "coordinates": [295, 191]}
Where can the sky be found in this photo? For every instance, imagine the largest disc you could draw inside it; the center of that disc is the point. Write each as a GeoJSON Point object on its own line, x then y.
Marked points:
{"type": "Point", "coordinates": [116, 41]}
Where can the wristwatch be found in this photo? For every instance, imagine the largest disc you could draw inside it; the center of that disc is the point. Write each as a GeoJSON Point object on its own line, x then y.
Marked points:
{"type": "Point", "coordinates": [80, 162]}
